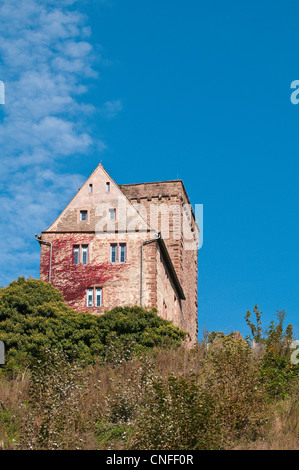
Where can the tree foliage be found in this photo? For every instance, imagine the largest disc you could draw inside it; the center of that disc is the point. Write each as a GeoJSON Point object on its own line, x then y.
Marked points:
{"type": "Point", "coordinates": [274, 344]}
{"type": "Point", "coordinates": [34, 317]}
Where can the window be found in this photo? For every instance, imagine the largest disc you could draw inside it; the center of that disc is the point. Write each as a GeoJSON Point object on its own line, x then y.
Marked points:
{"type": "Point", "coordinates": [84, 254]}
{"type": "Point", "coordinates": [89, 298]}
{"type": "Point", "coordinates": [94, 297]}
{"type": "Point", "coordinates": [118, 253]}
{"type": "Point", "coordinates": [98, 297]}
{"type": "Point", "coordinates": [80, 254]}
{"type": "Point", "coordinates": [112, 213]}
{"type": "Point", "coordinates": [166, 280]}
{"type": "Point", "coordinates": [122, 253]}
{"type": "Point", "coordinates": [83, 215]}
{"type": "Point", "coordinates": [90, 188]}
{"type": "Point", "coordinates": [164, 311]}
{"type": "Point", "coordinates": [113, 253]}
{"type": "Point", "coordinates": [76, 254]}
{"type": "Point", "coordinates": [108, 187]}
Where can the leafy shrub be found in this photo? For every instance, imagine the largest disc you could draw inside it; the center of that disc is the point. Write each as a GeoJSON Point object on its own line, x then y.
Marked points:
{"type": "Point", "coordinates": [277, 370]}
{"type": "Point", "coordinates": [138, 404]}
{"type": "Point", "coordinates": [34, 317]}
{"type": "Point", "coordinates": [139, 390]}
{"type": "Point", "coordinates": [212, 409]}
{"type": "Point", "coordinates": [129, 331]}
{"type": "Point", "coordinates": [177, 415]}
{"type": "Point", "coordinates": [55, 412]}
{"type": "Point", "coordinates": [233, 380]}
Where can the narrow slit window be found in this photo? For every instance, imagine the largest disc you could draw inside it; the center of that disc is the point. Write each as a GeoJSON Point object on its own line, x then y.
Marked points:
{"type": "Point", "coordinates": [108, 187]}
{"type": "Point", "coordinates": [89, 298]}
{"type": "Point", "coordinates": [83, 216]}
{"type": "Point", "coordinates": [84, 254]}
{"type": "Point", "coordinates": [98, 297]}
{"type": "Point", "coordinates": [90, 187]}
{"type": "Point", "coordinates": [76, 254]}
{"type": "Point", "coordinates": [113, 253]}
{"type": "Point", "coordinates": [122, 252]}
{"type": "Point", "coordinates": [164, 311]}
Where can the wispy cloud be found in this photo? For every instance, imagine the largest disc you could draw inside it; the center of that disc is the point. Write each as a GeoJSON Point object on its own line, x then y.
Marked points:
{"type": "Point", "coordinates": [46, 59]}
{"type": "Point", "coordinates": [111, 109]}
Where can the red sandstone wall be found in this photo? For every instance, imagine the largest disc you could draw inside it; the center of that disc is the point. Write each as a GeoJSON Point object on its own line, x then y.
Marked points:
{"type": "Point", "coordinates": [121, 282]}
{"type": "Point", "coordinates": [185, 261]}
{"type": "Point", "coordinates": [168, 301]}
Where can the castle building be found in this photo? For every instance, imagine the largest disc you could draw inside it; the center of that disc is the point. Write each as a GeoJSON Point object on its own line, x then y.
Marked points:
{"type": "Point", "coordinates": [126, 245]}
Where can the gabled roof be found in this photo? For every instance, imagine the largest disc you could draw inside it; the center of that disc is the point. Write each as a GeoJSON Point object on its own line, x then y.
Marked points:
{"type": "Point", "coordinates": [83, 198]}
{"type": "Point", "coordinates": [67, 221]}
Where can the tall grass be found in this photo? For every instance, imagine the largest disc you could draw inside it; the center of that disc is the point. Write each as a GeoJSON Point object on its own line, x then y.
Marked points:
{"type": "Point", "coordinates": [166, 399]}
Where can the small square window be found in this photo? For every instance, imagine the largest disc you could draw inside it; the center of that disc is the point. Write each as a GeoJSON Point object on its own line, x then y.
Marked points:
{"type": "Point", "coordinates": [112, 214]}
{"type": "Point", "coordinates": [83, 215]}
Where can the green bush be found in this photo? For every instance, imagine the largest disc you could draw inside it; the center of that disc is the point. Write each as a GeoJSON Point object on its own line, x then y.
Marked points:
{"type": "Point", "coordinates": [34, 317]}
{"type": "Point", "coordinates": [177, 415]}
{"type": "Point", "coordinates": [274, 344]}
{"type": "Point", "coordinates": [212, 409]}
{"type": "Point", "coordinates": [132, 330]}
{"type": "Point", "coordinates": [55, 402]}
{"type": "Point", "coordinates": [233, 380]}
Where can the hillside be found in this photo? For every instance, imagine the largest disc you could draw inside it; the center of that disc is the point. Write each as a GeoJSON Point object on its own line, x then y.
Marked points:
{"type": "Point", "coordinates": [126, 381]}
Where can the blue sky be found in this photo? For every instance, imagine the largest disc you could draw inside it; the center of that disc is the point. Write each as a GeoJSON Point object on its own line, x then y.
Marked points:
{"type": "Point", "coordinates": [159, 90]}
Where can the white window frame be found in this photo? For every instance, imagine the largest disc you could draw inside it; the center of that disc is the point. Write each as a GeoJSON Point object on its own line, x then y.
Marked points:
{"type": "Point", "coordinates": [84, 252]}
{"type": "Point", "coordinates": [121, 247]}
{"type": "Point", "coordinates": [98, 295]}
{"type": "Point", "coordinates": [94, 295]}
{"type": "Point", "coordinates": [112, 247]}
{"type": "Point", "coordinates": [76, 254]}
{"type": "Point", "coordinates": [81, 254]}
{"type": "Point", "coordinates": [112, 212]}
{"type": "Point", "coordinates": [89, 297]}
{"type": "Point", "coordinates": [116, 248]}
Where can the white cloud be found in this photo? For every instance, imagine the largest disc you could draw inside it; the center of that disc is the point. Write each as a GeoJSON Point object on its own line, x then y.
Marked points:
{"type": "Point", "coordinates": [45, 57]}
{"type": "Point", "coordinates": [112, 108]}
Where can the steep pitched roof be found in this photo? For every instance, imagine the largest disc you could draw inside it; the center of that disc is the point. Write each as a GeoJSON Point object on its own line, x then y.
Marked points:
{"type": "Point", "coordinates": [68, 220]}
{"type": "Point", "coordinates": [94, 201]}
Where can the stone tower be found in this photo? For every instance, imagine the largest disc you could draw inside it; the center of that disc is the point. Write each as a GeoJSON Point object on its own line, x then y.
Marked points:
{"type": "Point", "coordinates": [118, 245]}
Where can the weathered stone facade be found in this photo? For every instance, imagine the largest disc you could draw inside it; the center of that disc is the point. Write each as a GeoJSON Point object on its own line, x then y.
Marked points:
{"type": "Point", "coordinates": [125, 245]}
